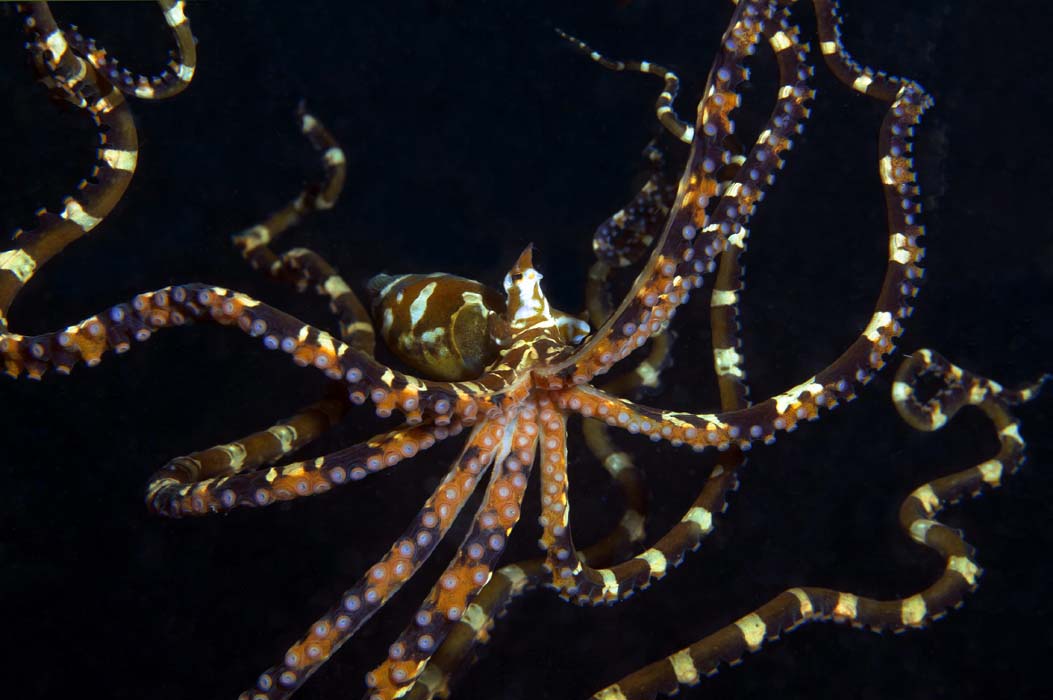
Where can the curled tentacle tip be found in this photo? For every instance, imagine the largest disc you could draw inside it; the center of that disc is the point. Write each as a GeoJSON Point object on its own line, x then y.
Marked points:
{"type": "Point", "coordinates": [1034, 388]}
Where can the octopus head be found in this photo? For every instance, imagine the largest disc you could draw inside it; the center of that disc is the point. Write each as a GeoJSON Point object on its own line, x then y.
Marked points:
{"type": "Point", "coordinates": [526, 304]}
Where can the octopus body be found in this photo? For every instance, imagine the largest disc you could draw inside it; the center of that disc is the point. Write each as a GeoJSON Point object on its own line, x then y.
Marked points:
{"type": "Point", "coordinates": [507, 372]}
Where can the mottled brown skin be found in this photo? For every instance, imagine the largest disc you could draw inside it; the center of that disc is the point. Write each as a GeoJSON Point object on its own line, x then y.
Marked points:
{"type": "Point", "coordinates": [456, 334]}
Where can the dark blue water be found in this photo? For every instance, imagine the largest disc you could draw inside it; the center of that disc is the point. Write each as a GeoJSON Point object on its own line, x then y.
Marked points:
{"type": "Point", "coordinates": [471, 130]}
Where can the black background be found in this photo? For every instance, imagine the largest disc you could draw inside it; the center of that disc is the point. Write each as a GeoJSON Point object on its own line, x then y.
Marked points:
{"type": "Point", "coordinates": [471, 130]}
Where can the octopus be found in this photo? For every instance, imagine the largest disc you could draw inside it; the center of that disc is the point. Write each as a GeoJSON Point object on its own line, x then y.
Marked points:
{"type": "Point", "coordinates": [504, 143]}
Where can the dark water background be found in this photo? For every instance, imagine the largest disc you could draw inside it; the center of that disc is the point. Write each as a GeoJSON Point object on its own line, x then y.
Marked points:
{"type": "Point", "coordinates": [471, 130]}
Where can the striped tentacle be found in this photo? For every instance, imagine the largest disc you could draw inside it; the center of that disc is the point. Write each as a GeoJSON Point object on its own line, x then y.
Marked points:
{"type": "Point", "coordinates": [454, 656]}
{"type": "Point", "coordinates": [663, 107]}
{"type": "Point", "coordinates": [630, 531]}
{"type": "Point", "coordinates": [958, 388]}
{"type": "Point", "coordinates": [387, 576]}
{"type": "Point", "coordinates": [907, 103]}
{"type": "Point", "coordinates": [254, 243]}
{"type": "Point", "coordinates": [662, 284]}
{"type": "Point", "coordinates": [627, 234]}
{"type": "Point", "coordinates": [96, 196]}
{"type": "Point", "coordinates": [697, 521]}
{"type": "Point", "coordinates": [211, 480]}
{"type": "Point", "coordinates": [572, 575]}
{"type": "Point", "coordinates": [591, 584]}
{"type": "Point", "coordinates": [301, 267]}
{"type": "Point", "coordinates": [620, 241]}
{"type": "Point", "coordinates": [741, 179]}
{"type": "Point", "coordinates": [621, 466]}
{"type": "Point", "coordinates": [861, 78]}
{"type": "Point", "coordinates": [60, 67]}
{"type": "Point", "coordinates": [614, 582]}
{"type": "Point", "coordinates": [960, 574]}
{"type": "Point", "coordinates": [618, 581]}
{"type": "Point", "coordinates": [451, 599]}
{"type": "Point", "coordinates": [311, 269]}
{"type": "Point", "coordinates": [857, 364]}
{"type": "Point", "coordinates": [230, 476]}
{"type": "Point", "coordinates": [366, 378]}
{"type": "Point", "coordinates": [742, 428]}
{"type": "Point", "coordinates": [70, 72]}
{"type": "Point", "coordinates": [736, 201]}
{"type": "Point", "coordinates": [724, 320]}
{"type": "Point", "coordinates": [724, 313]}
{"type": "Point", "coordinates": [173, 80]}
{"type": "Point", "coordinates": [512, 581]}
